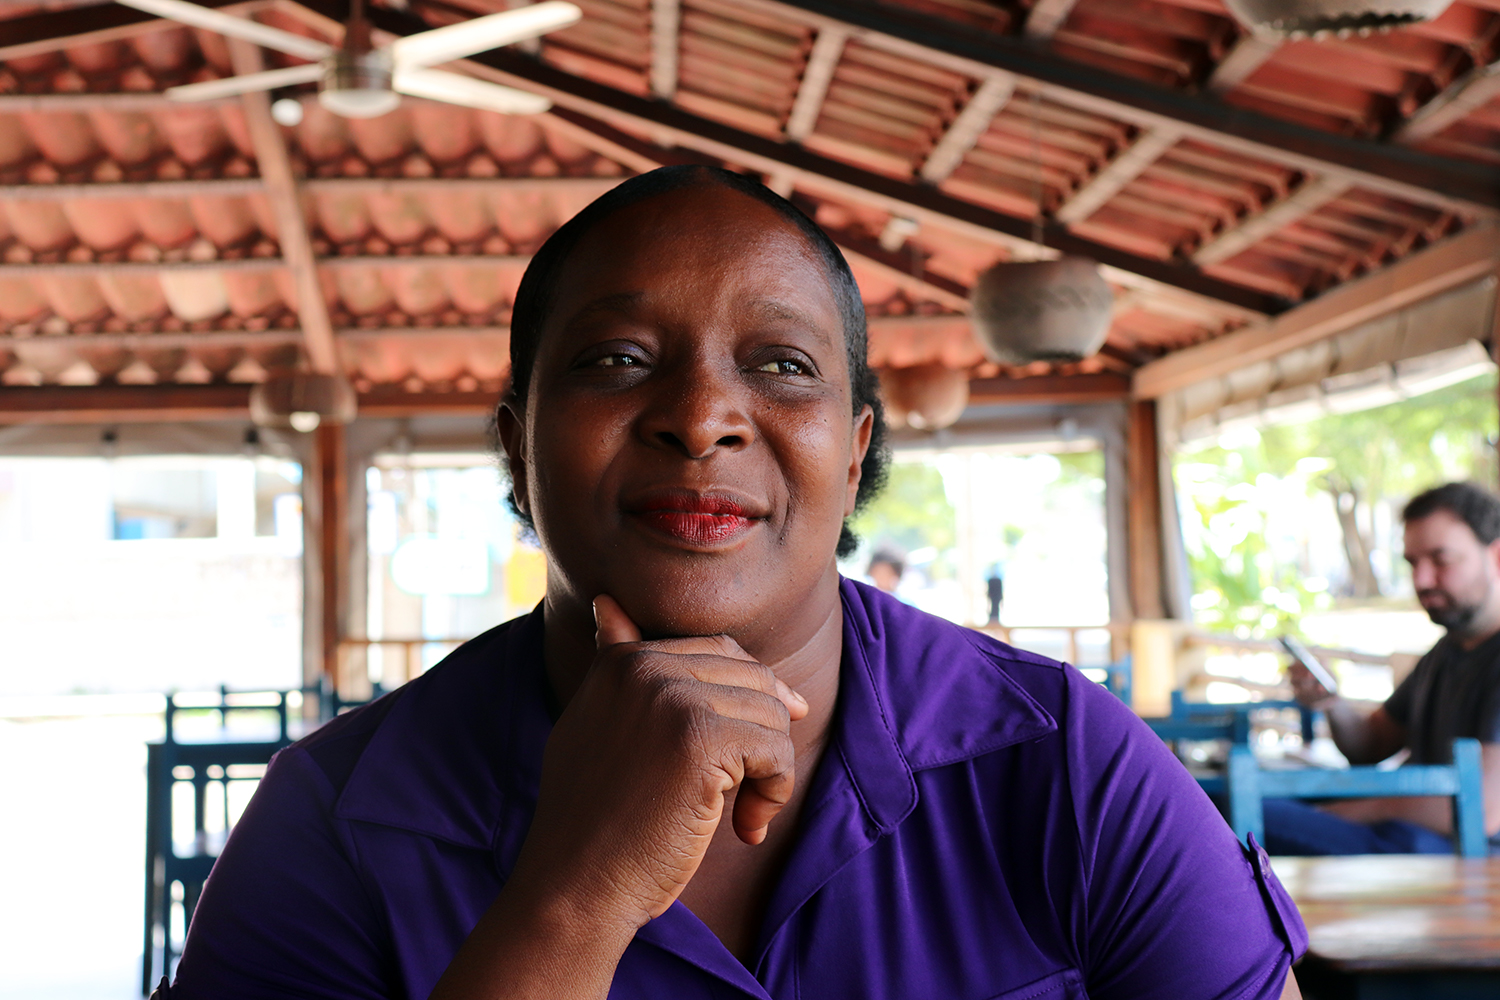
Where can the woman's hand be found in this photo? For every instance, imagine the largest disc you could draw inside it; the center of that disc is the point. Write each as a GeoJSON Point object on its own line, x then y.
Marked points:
{"type": "Point", "coordinates": [637, 770]}
{"type": "Point", "coordinates": [633, 787]}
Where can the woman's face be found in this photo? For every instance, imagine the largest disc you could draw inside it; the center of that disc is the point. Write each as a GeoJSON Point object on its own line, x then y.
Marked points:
{"type": "Point", "coordinates": [689, 445]}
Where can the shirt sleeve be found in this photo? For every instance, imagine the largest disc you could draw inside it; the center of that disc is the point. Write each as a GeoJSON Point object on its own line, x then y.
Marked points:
{"type": "Point", "coordinates": [1175, 905]}
{"type": "Point", "coordinates": [284, 912]}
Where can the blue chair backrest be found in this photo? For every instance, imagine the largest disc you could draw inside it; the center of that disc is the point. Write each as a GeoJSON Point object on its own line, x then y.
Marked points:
{"type": "Point", "coordinates": [1247, 784]}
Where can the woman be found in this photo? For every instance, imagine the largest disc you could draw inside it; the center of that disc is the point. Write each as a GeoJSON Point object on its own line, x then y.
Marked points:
{"type": "Point", "coordinates": [758, 780]}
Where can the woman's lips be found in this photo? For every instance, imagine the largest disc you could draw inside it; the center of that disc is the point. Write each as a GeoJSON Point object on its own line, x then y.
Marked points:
{"type": "Point", "coordinates": [697, 520]}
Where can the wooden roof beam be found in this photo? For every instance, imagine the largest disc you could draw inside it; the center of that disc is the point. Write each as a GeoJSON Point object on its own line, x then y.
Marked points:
{"type": "Point", "coordinates": [1471, 91]}
{"type": "Point", "coordinates": [281, 192]}
{"type": "Point", "coordinates": [1117, 174]}
{"type": "Point", "coordinates": [1312, 195]}
{"type": "Point", "coordinates": [1469, 256]}
{"type": "Point", "coordinates": [666, 17]}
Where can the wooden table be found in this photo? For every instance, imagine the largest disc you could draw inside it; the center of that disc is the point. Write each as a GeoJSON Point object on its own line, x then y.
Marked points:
{"type": "Point", "coordinates": [1387, 926]}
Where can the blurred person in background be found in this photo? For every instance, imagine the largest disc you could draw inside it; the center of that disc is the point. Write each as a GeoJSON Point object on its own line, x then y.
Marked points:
{"type": "Point", "coordinates": [1452, 543]}
{"type": "Point", "coordinates": [887, 567]}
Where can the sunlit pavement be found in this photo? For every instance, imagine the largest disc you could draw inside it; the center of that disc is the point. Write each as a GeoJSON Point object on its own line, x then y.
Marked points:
{"type": "Point", "coordinates": [72, 840]}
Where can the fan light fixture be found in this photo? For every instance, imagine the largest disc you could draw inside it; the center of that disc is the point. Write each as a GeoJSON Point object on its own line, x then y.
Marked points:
{"type": "Point", "coordinates": [1317, 18]}
{"type": "Point", "coordinates": [360, 80]}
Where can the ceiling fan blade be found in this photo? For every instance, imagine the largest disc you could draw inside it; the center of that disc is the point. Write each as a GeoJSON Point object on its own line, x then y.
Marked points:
{"type": "Point", "coordinates": [232, 86]}
{"type": "Point", "coordinates": [440, 45]}
{"type": "Point", "coordinates": [236, 27]}
{"type": "Point", "coordinates": [436, 85]}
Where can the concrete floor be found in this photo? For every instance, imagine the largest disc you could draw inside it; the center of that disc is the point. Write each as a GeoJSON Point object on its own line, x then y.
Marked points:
{"type": "Point", "coordinates": [72, 839]}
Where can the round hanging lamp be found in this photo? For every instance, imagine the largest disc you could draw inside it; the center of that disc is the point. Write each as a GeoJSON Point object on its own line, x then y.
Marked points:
{"type": "Point", "coordinates": [1300, 18]}
{"type": "Point", "coordinates": [925, 398]}
{"type": "Point", "coordinates": [1043, 310]}
{"type": "Point", "coordinates": [300, 401]}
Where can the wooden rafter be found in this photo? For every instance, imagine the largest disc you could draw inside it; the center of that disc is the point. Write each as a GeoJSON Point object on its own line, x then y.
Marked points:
{"type": "Point", "coordinates": [827, 49]}
{"type": "Point", "coordinates": [1047, 16]}
{"type": "Point", "coordinates": [1307, 199]}
{"type": "Point", "coordinates": [108, 404]}
{"type": "Point", "coordinates": [1453, 262]}
{"type": "Point", "coordinates": [281, 192]}
{"type": "Point", "coordinates": [967, 126]}
{"type": "Point", "coordinates": [1243, 58]}
{"type": "Point", "coordinates": [1473, 90]}
{"type": "Point", "coordinates": [1053, 390]}
{"type": "Point", "coordinates": [1124, 168]}
{"type": "Point", "coordinates": [666, 17]}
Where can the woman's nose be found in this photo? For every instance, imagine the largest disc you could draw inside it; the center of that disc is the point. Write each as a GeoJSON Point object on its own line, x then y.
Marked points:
{"type": "Point", "coordinates": [697, 410]}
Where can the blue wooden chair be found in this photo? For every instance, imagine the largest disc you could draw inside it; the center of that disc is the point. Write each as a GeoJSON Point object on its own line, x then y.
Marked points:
{"type": "Point", "coordinates": [1247, 783]}
{"type": "Point", "coordinates": [1197, 720]}
{"type": "Point", "coordinates": [175, 872]}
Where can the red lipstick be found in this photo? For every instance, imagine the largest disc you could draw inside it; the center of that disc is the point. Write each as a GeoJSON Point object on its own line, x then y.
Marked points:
{"type": "Point", "coordinates": [693, 518]}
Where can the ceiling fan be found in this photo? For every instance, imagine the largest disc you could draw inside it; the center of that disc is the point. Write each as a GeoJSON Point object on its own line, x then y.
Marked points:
{"type": "Point", "coordinates": [359, 80]}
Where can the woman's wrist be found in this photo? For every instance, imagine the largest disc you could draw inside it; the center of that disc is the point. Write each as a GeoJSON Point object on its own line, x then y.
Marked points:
{"type": "Point", "coordinates": [539, 942]}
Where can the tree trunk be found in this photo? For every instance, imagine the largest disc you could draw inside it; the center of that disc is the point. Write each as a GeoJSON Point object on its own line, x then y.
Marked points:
{"type": "Point", "coordinates": [1357, 547]}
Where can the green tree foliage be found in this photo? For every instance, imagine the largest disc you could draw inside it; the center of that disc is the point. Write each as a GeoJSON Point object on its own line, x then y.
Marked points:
{"type": "Point", "coordinates": [913, 511]}
{"type": "Point", "coordinates": [1360, 459]}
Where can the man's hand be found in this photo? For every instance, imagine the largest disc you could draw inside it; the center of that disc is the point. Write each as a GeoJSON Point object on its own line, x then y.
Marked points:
{"type": "Point", "coordinates": [1306, 689]}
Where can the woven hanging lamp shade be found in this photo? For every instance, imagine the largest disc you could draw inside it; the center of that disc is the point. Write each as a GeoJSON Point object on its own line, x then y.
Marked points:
{"type": "Point", "coordinates": [1045, 310]}
{"type": "Point", "coordinates": [1301, 18]}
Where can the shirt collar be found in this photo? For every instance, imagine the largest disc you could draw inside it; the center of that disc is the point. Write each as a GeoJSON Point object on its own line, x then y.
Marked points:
{"type": "Point", "coordinates": [462, 748]}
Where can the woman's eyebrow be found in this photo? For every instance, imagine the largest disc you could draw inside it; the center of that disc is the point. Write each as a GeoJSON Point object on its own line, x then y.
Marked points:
{"type": "Point", "coordinates": [779, 310]}
{"type": "Point", "coordinates": [619, 302]}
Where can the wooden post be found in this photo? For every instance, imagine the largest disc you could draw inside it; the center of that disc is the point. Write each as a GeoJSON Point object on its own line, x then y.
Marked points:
{"type": "Point", "coordinates": [326, 516]}
{"type": "Point", "coordinates": [1143, 510]}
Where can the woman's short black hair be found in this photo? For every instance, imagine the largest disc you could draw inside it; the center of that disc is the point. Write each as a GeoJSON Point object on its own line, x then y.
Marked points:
{"type": "Point", "coordinates": [534, 303]}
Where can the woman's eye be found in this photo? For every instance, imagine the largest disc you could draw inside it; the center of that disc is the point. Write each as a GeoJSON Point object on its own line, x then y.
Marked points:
{"type": "Point", "coordinates": [783, 367]}
{"type": "Point", "coordinates": [617, 361]}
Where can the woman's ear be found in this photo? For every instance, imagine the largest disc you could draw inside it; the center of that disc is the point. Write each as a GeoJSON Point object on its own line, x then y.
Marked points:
{"type": "Point", "coordinates": [864, 427]}
{"type": "Point", "coordinates": [510, 425]}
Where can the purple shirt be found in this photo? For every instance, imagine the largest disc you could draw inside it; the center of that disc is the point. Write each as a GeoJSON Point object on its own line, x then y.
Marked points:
{"type": "Point", "coordinates": [986, 824]}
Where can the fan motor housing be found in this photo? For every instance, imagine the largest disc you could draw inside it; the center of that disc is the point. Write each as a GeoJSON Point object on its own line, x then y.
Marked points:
{"type": "Point", "coordinates": [358, 85]}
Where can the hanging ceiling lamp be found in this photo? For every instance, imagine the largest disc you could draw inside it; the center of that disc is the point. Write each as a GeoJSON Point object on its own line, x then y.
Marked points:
{"type": "Point", "coordinates": [1301, 18]}
{"type": "Point", "coordinates": [1042, 310]}
{"type": "Point", "coordinates": [926, 398]}
{"type": "Point", "coordinates": [301, 401]}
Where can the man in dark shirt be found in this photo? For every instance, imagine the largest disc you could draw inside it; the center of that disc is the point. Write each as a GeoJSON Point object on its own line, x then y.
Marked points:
{"type": "Point", "coordinates": [1452, 544]}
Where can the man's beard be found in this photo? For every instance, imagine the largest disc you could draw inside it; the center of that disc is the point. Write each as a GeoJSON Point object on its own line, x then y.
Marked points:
{"type": "Point", "coordinates": [1455, 617]}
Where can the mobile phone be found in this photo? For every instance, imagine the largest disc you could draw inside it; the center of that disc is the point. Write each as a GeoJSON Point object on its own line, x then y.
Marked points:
{"type": "Point", "coordinates": [1304, 656]}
